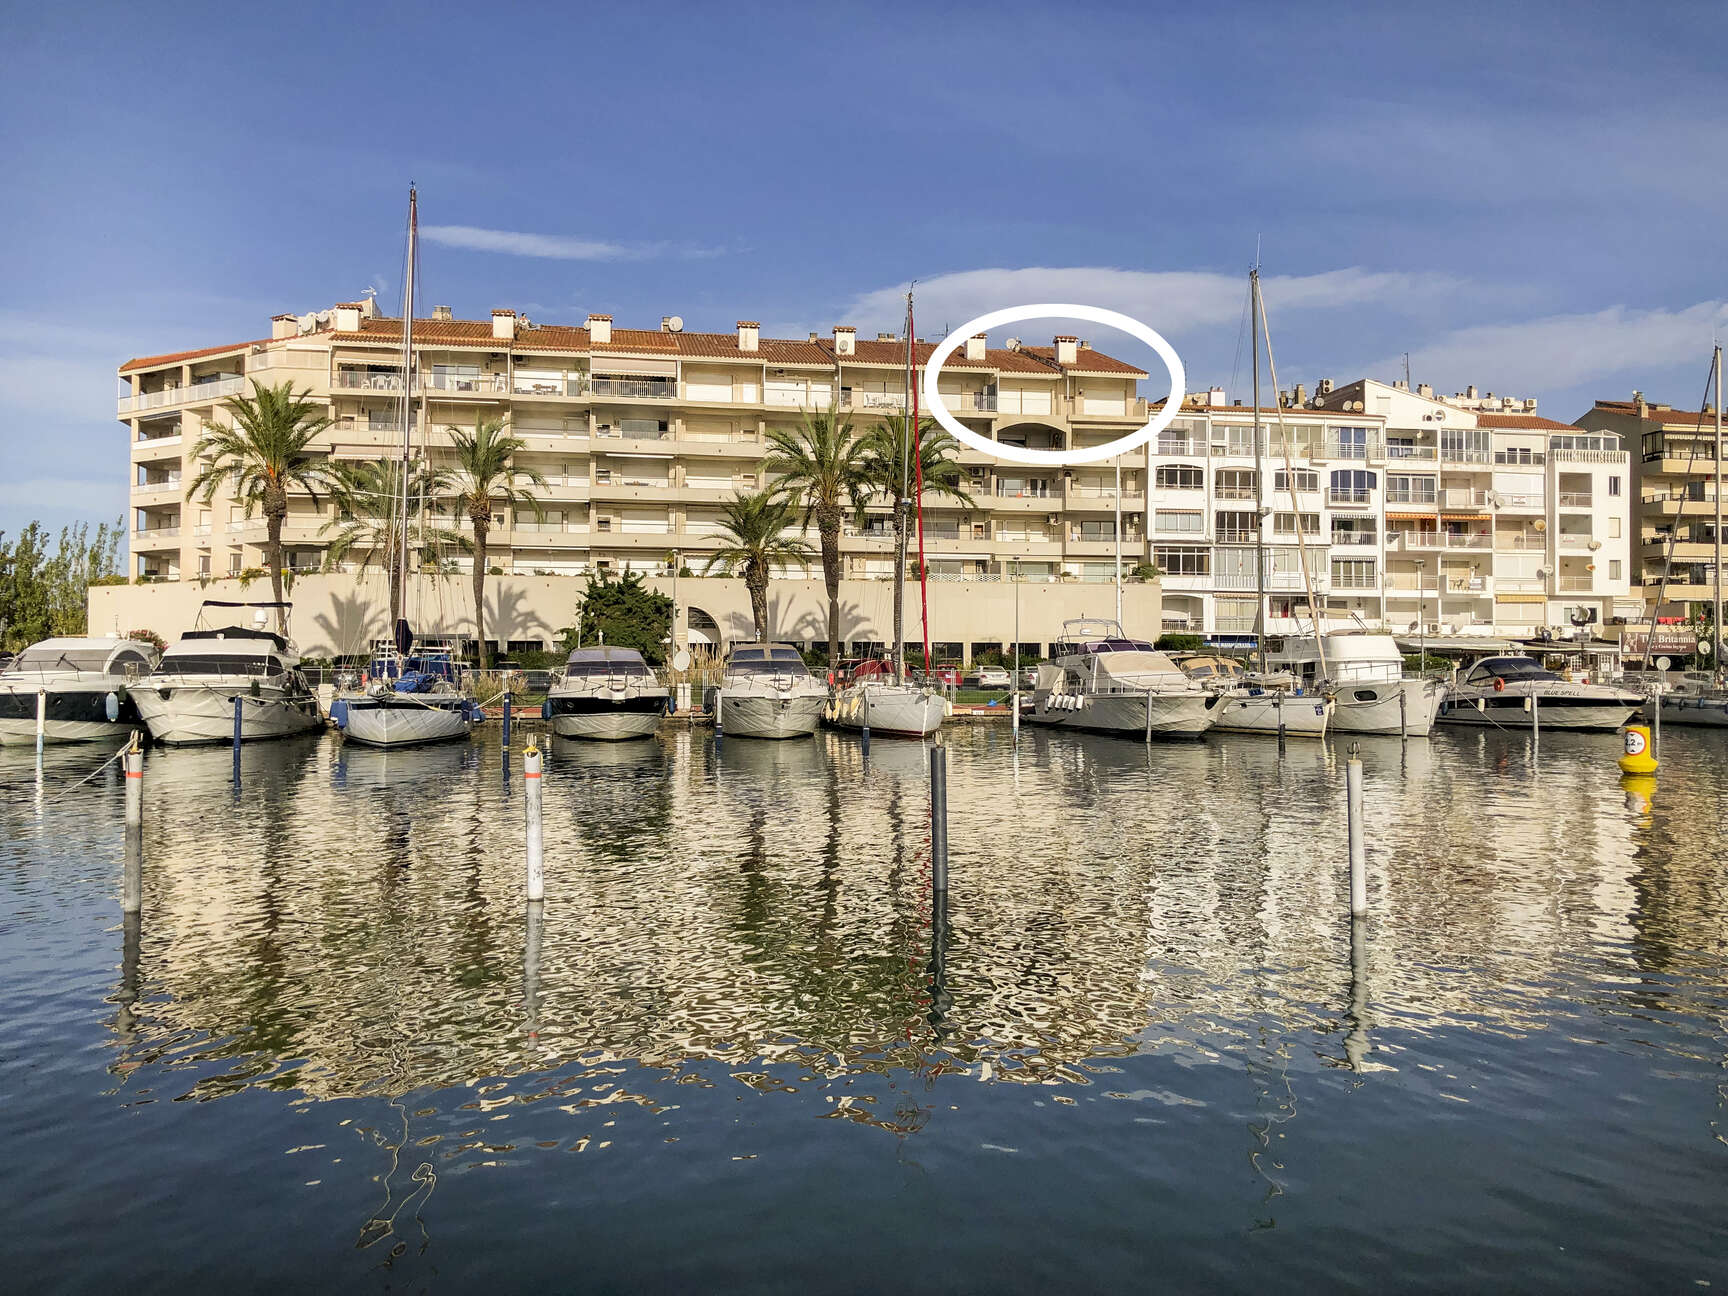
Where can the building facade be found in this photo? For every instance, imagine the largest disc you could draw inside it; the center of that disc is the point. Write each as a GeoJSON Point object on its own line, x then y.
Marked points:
{"type": "Point", "coordinates": [1398, 508]}
{"type": "Point", "coordinates": [1675, 476]}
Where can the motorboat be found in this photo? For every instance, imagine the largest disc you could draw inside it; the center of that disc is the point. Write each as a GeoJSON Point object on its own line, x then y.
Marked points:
{"type": "Point", "coordinates": [1104, 682]}
{"type": "Point", "coordinates": [766, 691]}
{"type": "Point", "coordinates": [607, 693]}
{"type": "Point", "coordinates": [406, 701]}
{"type": "Point", "coordinates": [1517, 693]}
{"type": "Point", "coordinates": [80, 687]}
{"type": "Point", "coordinates": [190, 696]}
{"type": "Point", "coordinates": [1694, 699]}
{"type": "Point", "coordinates": [1260, 702]}
{"type": "Point", "coordinates": [1364, 674]}
{"type": "Point", "coordinates": [873, 700]}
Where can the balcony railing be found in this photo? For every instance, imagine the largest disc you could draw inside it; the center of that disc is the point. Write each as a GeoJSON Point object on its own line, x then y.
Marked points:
{"type": "Point", "coordinates": [1576, 584]}
{"type": "Point", "coordinates": [156, 533]}
{"type": "Point", "coordinates": [1355, 538]}
{"type": "Point", "coordinates": [1517, 458]}
{"type": "Point", "coordinates": [1410, 452]}
{"type": "Point", "coordinates": [480, 384]}
{"type": "Point", "coordinates": [569, 385]}
{"type": "Point", "coordinates": [1336, 449]}
{"type": "Point", "coordinates": [193, 393]}
{"type": "Point", "coordinates": [634, 388]}
{"type": "Point", "coordinates": [157, 483]}
{"type": "Point", "coordinates": [1348, 495]}
{"type": "Point", "coordinates": [1415, 498]}
{"type": "Point", "coordinates": [1005, 490]}
{"type": "Point", "coordinates": [1169, 446]}
{"type": "Point", "coordinates": [1573, 499]}
{"type": "Point", "coordinates": [1233, 535]}
{"type": "Point", "coordinates": [1573, 539]}
{"type": "Point", "coordinates": [1461, 497]}
{"type": "Point", "coordinates": [355, 380]}
{"type": "Point", "coordinates": [1234, 493]}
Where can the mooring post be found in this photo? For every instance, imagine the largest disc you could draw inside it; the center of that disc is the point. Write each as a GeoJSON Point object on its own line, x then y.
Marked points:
{"type": "Point", "coordinates": [239, 702]}
{"type": "Point", "coordinates": [1148, 717]}
{"type": "Point", "coordinates": [719, 717]}
{"type": "Point", "coordinates": [506, 731]}
{"type": "Point", "coordinates": [1403, 724]}
{"type": "Point", "coordinates": [531, 967]}
{"type": "Point", "coordinates": [1278, 705]}
{"type": "Point", "coordinates": [1358, 849]}
{"type": "Point", "coordinates": [531, 786]}
{"type": "Point", "coordinates": [939, 815]}
{"type": "Point", "coordinates": [134, 761]}
{"type": "Point", "coordinates": [865, 734]}
{"type": "Point", "coordinates": [1535, 717]}
{"type": "Point", "coordinates": [41, 718]}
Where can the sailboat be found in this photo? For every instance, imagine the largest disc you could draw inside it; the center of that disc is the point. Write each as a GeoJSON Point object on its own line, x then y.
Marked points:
{"type": "Point", "coordinates": [1701, 698]}
{"type": "Point", "coordinates": [876, 700]}
{"type": "Point", "coordinates": [410, 698]}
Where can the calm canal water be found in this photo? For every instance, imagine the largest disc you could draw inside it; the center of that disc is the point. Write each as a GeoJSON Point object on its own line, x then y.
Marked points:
{"type": "Point", "coordinates": [1144, 1049]}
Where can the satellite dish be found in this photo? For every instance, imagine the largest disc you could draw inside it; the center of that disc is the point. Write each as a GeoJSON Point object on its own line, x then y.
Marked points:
{"type": "Point", "coordinates": [1539, 524]}
{"type": "Point", "coordinates": [1595, 545]}
{"type": "Point", "coordinates": [681, 660]}
{"type": "Point", "coordinates": [676, 324]}
{"type": "Point", "coordinates": [1663, 663]}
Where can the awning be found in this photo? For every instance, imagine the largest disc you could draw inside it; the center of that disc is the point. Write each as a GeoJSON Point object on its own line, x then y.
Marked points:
{"type": "Point", "coordinates": [1409, 517]}
{"type": "Point", "coordinates": [1466, 517]}
{"type": "Point", "coordinates": [1520, 598]}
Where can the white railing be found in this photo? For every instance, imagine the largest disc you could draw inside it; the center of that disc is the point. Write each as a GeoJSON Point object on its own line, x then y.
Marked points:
{"type": "Point", "coordinates": [1573, 539]}
{"type": "Point", "coordinates": [1416, 498]}
{"type": "Point", "coordinates": [643, 388]}
{"type": "Point", "coordinates": [354, 380]}
{"type": "Point", "coordinates": [1460, 497]}
{"type": "Point", "coordinates": [1411, 452]}
{"type": "Point", "coordinates": [1167, 446]}
{"type": "Point", "coordinates": [1355, 580]}
{"type": "Point", "coordinates": [1521, 501]}
{"type": "Point", "coordinates": [1590, 456]}
{"type": "Point", "coordinates": [1458, 454]}
{"type": "Point", "coordinates": [1348, 495]}
{"type": "Point", "coordinates": [1576, 585]}
{"type": "Point", "coordinates": [156, 533]}
{"type": "Point", "coordinates": [193, 393]}
{"type": "Point", "coordinates": [1355, 538]}
{"type": "Point", "coordinates": [569, 385]}
{"type": "Point", "coordinates": [166, 483]}
{"type": "Point", "coordinates": [476, 384]}
{"type": "Point", "coordinates": [1573, 500]}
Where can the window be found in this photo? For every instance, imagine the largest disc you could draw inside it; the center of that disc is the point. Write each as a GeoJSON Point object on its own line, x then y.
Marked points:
{"type": "Point", "coordinates": [1237, 484]}
{"type": "Point", "coordinates": [1613, 569]}
{"type": "Point", "coordinates": [1613, 528]}
{"type": "Point", "coordinates": [1614, 485]}
{"type": "Point", "coordinates": [1519, 455]}
{"type": "Point", "coordinates": [234, 564]}
{"type": "Point", "coordinates": [1600, 441]}
{"type": "Point", "coordinates": [1348, 442]}
{"type": "Point", "coordinates": [1181, 477]}
{"type": "Point", "coordinates": [1237, 528]}
{"type": "Point", "coordinates": [1306, 480]}
{"type": "Point", "coordinates": [203, 564]}
{"type": "Point", "coordinates": [1094, 530]}
{"type": "Point", "coordinates": [1352, 573]}
{"type": "Point", "coordinates": [1472, 445]}
{"type": "Point", "coordinates": [1170, 520]}
{"type": "Point", "coordinates": [1409, 490]}
{"type": "Point", "coordinates": [1178, 561]}
{"type": "Point", "coordinates": [1286, 524]}
{"type": "Point", "coordinates": [1352, 485]}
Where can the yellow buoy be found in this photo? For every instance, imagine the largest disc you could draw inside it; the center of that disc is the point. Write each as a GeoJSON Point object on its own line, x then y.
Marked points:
{"type": "Point", "coordinates": [1638, 758]}
{"type": "Point", "coordinates": [1640, 789]}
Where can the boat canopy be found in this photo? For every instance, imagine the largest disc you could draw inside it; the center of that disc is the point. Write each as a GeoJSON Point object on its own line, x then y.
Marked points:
{"type": "Point", "coordinates": [119, 657]}
{"type": "Point", "coordinates": [1110, 645]}
{"type": "Point", "coordinates": [1510, 669]}
{"type": "Point", "coordinates": [765, 659]}
{"type": "Point", "coordinates": [241, 633]}
{"type": "Point", "coordinates": [1129, 666]}
{"type": "Point", "coordinates": [603, 661]}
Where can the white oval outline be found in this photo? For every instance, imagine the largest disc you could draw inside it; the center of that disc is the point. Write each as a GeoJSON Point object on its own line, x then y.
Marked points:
{"type": "Point", "coordinates": [1061, 310]}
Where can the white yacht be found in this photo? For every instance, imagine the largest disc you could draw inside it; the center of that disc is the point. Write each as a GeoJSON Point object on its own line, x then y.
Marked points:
{"type": "Point", "coordinates": [1364, 673]}
{"type": "Point", "coordinates": [1104, 682]}
{"type": "Point", "coordinates": [766, 691]}
{"type": "Point", "coordinates": [82, 688]}
{"type": "Point", "coordinates": [1270, 702]}
{"type": "Point", "coordinates": [607, 693]}
{"type": "Point", "coordinates": [189, 697]}
{"type": "Point", "coordinates": [407, 701]}
{"type": "Point", "coordinates": [872, 700]}
{"type": "Point", "coordinates": [1694, 699]}
{"type": "Point", "coordinates": [1505, 691]}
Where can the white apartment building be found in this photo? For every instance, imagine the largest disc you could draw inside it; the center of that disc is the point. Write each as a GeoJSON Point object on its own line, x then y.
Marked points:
{"type": "Point", "coordinates": [1410, 509]}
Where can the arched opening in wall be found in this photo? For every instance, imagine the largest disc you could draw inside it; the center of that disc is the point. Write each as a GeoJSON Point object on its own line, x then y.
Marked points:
{"type": "Point", "coordinates": [704, 633]}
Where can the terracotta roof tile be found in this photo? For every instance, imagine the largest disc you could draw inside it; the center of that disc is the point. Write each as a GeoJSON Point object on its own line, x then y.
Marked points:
{"type": "Point", "coordinates": [1653, 414]}
{"type": "Point", "coordinates": [724, 346]}
{"type": "Point", "coordinates": [893, 354]}
{"type": "Point", "coordinates": [1087, 361]}
{"type": "Point", "coordinates": [1522, 422]}
{"type": "Point", "coordinates": [180, 357]}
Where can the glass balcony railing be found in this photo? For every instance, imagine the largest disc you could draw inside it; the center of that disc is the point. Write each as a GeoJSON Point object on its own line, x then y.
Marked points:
{"type": "Point", "coordinates": [643, 388]}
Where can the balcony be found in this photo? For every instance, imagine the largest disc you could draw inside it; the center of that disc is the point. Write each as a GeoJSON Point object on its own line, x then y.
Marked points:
{"type": "Point", "coordinates": [465, 384]}
{"type": "Point", "coordinates": [1459, 497]}
{"type": "Point", "coordinates": [1234, 493]}
{"type": "Point", "coordinates": [1169, 446]}
{"type": "Point", "coordinates": [1573, 541]}
{"type": "Point", "coordinates": [1349, 495]}
{"type": "Point", "coordinates": [1412, 499]}
{"type": "Point", "coordinates": [1592, 456]}
{"type": "Point", "coordinates": [1406, 452]}
{"type": "Point", "coordinates": [192, 394]}
{"type": "Point", "coordinates": [1235, 535]}
{"type": "Point", "coordinates": [1520, 458]}
{"type": "Point", "coordinates": [1364, 538]}
{"type": "Point", "coordinates": [1576, 585]}
{"type": "Point", "coordinates": [1573, 499]}
{"type": "Point", "coordinates": [156, 537]}
{"type": "Point", "coordinates": [616, 388]}
{"type": "Point", "coordinates": [1355, 580]}
{"type": "Point", "coordinates": [1334, 448]}
{"type": "Point", "coordinates": [1521, 503]}
{"type": "Point", "coordinates": [568, 385]}
{"type": "Point", "coordinates": [356, 380]}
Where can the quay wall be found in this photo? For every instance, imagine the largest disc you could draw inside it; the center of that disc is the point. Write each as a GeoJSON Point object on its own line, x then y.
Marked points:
{"type": "Point", "coordinates": [339, 613]}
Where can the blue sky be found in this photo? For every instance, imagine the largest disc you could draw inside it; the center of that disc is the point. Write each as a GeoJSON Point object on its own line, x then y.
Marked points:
{"type": "Point", "coordinates": [1527, 197]}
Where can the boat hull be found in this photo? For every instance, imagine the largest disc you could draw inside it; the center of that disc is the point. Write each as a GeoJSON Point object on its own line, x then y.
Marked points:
{"type": "Point", "coordinates": [607, 717]}
{"type": "Point", "coordinates": [896, 710]}
{"type": "Point", "coordinates": [1275, 713]}
{"type": "Point", "coordinates": [184, 715]}
{"type": "Point", "coordinates": [1583, 713]}
{"type": "Point", "coordinates": [1175, 715]}
{"type": "Point", "coordinates": [1372, 707]}
{"type": "Point", "coordinates": [1703, 712]}
{"type": "Point", "coordinates": [398, 723]}
{"type": "Point", "coordinates": [73, 714]}
{"type": "Point", "coordinates": [794, 716]}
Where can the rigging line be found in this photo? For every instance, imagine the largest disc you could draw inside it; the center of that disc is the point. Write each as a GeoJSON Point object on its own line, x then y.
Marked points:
{"type": "Point", "coordinates": [1674, 532]}
{"type": "Point", "coordinates": [1242, 335]}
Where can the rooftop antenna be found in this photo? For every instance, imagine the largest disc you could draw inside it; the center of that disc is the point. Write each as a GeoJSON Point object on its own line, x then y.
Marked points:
{"type": "Point", "coordinates": [1406, 370]}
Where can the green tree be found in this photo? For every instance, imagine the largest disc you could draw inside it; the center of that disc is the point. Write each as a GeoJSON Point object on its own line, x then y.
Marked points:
{"type": "Point", "coordinates": [484, 476]}
{"type": "Point", "coordinates": [368, 499]}
{"type": "Point", "coordinates": [262, 454]}
{"type": "Point", "coordinates": [42, 594]}
{"type": "Point", "coordinates": [627, 614]}
{"type": "Point", "coordinates": [888, 473]}
{"type": "Point", "coordinates": [818, 466]}
{"type": "Point", "coordinates": [753, 532]}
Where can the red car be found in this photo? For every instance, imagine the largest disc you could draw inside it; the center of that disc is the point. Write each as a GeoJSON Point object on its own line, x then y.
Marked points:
{"type": "Point", "coordinates": [947, 673]}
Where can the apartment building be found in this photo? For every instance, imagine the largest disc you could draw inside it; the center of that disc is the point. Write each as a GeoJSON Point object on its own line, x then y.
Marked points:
{"type": "Point", "coordinates": [1400, 508]}
{"type": "Point", "coordinates": [641, 435]}
{"type": "Point", "coordinates": [1675, 476]}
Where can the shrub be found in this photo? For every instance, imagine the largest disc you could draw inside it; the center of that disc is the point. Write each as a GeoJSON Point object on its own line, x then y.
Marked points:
{"type": "Point", "coordinates": [1180, 643]}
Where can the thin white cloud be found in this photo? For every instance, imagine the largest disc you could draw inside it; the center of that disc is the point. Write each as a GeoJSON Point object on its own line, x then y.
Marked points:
{"type": "Point", "coordinates": [1559, 351]}
{"type": "Point", "coordinates": [1170, 301]}
{"type": "Point", "coordinates": [553, 247]}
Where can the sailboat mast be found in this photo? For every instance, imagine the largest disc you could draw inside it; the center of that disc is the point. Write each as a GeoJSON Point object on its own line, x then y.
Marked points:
{"type": "Point", "coordinates": [1716, 601]}
{"type": "Point", "coordinates": [1259, 471]}
{"type": "Point", "coordinates": [407, 399]}
{"type": "Point", "coordinates": [1118, 540]}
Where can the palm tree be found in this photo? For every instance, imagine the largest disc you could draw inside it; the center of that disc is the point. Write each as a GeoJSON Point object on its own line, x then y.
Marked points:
{"type": "Point", "coordinates": [483, 476]}
{"type": "Point", "coordinates": [888, 473]}
{"type": "Point", "coordinates": [753, 527]}
{"type": "Point", "coordinates": [816, 467]}
{"type": "Point", "coordinates": [260, 455]}
{"type": "Point", "coordinates": [368, 498]}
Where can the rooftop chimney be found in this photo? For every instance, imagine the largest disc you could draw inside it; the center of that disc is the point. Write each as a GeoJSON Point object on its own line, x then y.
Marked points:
{"type": "Point", "coordinates": [283, 326]}
{"type": "Point", "coordinates": [1425, 389]}
{"type": "Point", "coordinates": [600, 329]}
{"type": "Point", "coordinates": [975, 347]}
{"type": "Point", "coordinates": [1301, 395]}
{"type": "Point", "coordinates": [504, 324]}
{"type": "Point", "coordinates": [887, 337]}
{"type": "Point", "coordinates": [1470, 392]}
{"type": "Point", "coordinates": [347, 317]}
{"type": "Point", "coordinates": [1215, 398]}
{"type": "Point", "coordinates": [845, 340]}
{"type": "Point", "coordinates": [442, 313]}
{"type": "Point", "coordinates": [748, 334]}
{"type": "Point", "coordinates": [1067, 349]}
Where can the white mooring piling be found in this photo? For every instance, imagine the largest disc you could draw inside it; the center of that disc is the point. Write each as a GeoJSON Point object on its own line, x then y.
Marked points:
{"type": "Point", "coordinates": [41, 718]}
{"type": "Point", "coordinates": [939, 816]}
{"type": "Point", "coordinates": [134, 761]}
{"type": "Point", "coordinates": [531, 786]}
{"type": "Point", "coordinates": [1358, 849]}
